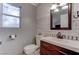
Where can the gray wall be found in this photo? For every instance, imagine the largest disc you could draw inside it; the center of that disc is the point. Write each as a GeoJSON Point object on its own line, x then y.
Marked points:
{"type": "Point", "coordinates": [43, 21]}
{"type": "Point", "coordinates": [25, 34]}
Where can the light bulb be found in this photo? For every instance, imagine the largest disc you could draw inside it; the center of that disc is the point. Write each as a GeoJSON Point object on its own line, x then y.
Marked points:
{"type": "Point", "coordinates": [65, 7]}
{"type": "Point", "coordinates": [62, 4]}
{"type": "Point", "coordinates": [54, 6]}
{"type": "Point", "coordinates": [56, 10]}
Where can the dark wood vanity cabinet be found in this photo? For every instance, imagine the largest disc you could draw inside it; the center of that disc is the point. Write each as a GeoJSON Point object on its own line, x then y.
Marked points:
{"type": "Point", "coordinates": [50, 49]}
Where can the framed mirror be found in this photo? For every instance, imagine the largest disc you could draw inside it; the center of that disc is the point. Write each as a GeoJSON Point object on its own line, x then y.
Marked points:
{"type": "Point", "coordinates": [61, 16]}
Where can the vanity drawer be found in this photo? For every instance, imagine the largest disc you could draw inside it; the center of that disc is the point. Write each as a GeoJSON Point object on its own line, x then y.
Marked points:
{"type": "Point", "coordinates": [49, 49]}
{"type": "Point", "coordinates": [44, 51]}
{"type": "Point", "coordinates": [69, 52]}
{"type": "Point", "coordinates": [50, 46]}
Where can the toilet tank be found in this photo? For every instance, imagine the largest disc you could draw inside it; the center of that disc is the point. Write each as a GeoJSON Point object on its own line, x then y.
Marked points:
{"type": "Point", "coordinates": [38, 37]}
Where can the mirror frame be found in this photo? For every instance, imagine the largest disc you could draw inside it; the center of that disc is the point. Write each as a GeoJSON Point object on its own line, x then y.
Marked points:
{"type": "Point", "coordinates": [69, 19]}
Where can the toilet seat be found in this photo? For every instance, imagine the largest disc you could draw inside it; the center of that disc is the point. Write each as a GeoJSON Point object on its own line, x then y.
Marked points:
{"type": "Point", "coordinates": [31, 49]}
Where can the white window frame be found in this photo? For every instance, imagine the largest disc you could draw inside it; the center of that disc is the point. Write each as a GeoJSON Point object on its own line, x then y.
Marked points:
{"type": "Point", "coordinates": [12, 16]}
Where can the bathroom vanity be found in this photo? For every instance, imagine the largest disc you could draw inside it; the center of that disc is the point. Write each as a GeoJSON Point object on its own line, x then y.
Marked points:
{"type": "Point", "coordinates": [58, 47]}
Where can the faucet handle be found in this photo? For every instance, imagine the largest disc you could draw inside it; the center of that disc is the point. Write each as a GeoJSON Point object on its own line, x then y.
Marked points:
{"type": "Point", "coordinates": [64, 37]}
{"type": "Point", "coordinates": [58, 34]}
{"type": "Point", "coordinates": [76, 38]}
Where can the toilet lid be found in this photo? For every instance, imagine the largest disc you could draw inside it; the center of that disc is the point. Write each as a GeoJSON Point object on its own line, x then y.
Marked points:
{"type": "Point", "coordinates": [30, 47]}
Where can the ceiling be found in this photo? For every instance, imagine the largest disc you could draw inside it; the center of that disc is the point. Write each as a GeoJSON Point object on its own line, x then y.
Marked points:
{"type": "Point", "coordinates": [35, 4]}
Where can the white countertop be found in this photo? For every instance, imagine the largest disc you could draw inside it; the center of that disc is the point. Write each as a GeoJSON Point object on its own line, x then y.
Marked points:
{"type": "Point", "coordinates": [65, 43]}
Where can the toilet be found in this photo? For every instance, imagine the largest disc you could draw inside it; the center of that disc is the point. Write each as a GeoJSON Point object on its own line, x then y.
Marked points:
{"type": "Point", "coordinates": [33, 49]}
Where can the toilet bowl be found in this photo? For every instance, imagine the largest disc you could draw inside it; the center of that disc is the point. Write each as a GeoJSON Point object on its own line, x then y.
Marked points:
{"type": "Point", "coordinates": [33, 49]}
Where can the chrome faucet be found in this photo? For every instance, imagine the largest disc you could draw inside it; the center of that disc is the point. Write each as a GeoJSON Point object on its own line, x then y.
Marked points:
{"type": "Point", "coordinates": [59, 35]}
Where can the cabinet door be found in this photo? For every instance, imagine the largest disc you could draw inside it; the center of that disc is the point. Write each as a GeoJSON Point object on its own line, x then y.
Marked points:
{"type": "Point", "coordinates": [47, 49]}
{"type": "Point", "coordinates": [44, 51]}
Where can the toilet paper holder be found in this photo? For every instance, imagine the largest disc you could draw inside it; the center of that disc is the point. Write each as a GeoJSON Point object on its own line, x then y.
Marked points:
{"type": "Point", "coordinates": [12, 36]}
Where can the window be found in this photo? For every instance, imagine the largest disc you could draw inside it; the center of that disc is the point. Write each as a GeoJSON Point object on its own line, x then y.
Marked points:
{"type": "Point", "coordinates": [10, 16]}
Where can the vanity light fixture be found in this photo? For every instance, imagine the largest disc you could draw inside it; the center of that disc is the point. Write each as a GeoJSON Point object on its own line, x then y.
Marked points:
{"type": "Point", "coordinates": [62, 4]}
{"type": "Point", "coordinates": [65, 7]}
{"type": "Point", "coordinates": [56, 10]}
{"type": "Point", "coordinates": [54, 6]}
